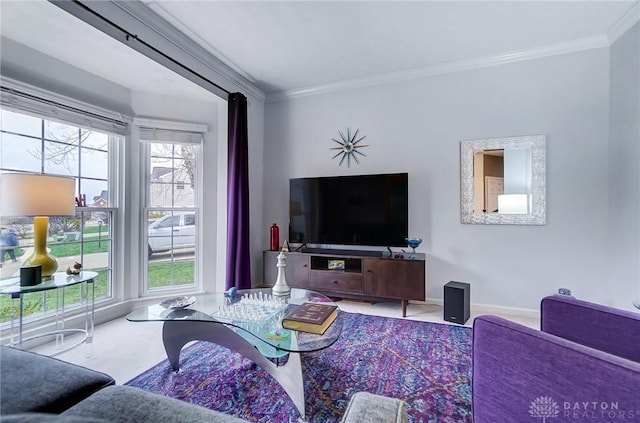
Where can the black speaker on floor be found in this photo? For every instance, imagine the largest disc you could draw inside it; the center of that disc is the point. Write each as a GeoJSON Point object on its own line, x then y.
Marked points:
{"type": "Point", "coordinates": [457, 296]}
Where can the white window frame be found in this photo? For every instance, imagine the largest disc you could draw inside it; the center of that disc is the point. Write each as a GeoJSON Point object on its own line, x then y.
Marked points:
{"type": "Point", "coordinates": [23, 98]}
{"type": "Point", "coordinates": [156, 131]}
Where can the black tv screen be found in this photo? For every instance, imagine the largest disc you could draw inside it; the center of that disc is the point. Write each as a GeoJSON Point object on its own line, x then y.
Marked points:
{"type": "Point", "coordinates": [367, 210]}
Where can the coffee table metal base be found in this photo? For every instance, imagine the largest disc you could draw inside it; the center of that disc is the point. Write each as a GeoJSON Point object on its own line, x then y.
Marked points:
{"type": "Point", "coordinates": [176, 334]}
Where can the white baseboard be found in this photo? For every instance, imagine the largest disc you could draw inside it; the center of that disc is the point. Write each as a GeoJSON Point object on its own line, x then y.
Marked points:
{"type": "Point", "coordinates": [491, 309]}
{"type": "Point", "coordinates": [506, 311]}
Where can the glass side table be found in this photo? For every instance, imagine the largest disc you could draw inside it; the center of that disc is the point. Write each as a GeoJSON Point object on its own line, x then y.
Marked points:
{"type": "Point", "coordinates": [58, 282]}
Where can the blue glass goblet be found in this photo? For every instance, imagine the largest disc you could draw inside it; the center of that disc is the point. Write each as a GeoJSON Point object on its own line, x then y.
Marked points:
{"type": "Point", "coordinates": [413, 243]}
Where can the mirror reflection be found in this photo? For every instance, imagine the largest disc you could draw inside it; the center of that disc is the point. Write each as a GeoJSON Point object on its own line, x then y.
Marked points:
{"type": "Point", "coordinates": [503, 181]}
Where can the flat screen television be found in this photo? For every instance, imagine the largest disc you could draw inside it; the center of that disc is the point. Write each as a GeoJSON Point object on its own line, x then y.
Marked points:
{"type": "Point", "coordinates": [363, 210]}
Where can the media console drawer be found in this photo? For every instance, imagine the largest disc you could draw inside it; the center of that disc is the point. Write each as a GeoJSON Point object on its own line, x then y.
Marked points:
{"type": "Point", "coordinates": [335, 281]}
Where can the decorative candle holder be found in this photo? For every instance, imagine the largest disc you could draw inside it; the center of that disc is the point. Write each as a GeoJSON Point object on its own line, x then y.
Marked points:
{"type": "Point", "coordinates": [413, 243]}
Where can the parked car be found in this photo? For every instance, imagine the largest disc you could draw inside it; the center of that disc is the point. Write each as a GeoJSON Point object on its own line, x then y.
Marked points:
{"type": "Point", "coordinates": [177, 230]}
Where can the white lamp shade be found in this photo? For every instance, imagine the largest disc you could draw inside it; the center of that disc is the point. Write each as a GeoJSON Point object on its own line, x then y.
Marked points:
{"type": "Point", "coordinates": [28, 194]}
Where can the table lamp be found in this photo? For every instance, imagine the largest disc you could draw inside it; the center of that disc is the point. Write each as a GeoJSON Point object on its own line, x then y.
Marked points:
{"type": "Point", "coordinates": [41, 196]}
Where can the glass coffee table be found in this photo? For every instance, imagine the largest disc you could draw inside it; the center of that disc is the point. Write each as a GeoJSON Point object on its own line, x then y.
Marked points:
{"type": "Point", "coordinates": [249, 323]}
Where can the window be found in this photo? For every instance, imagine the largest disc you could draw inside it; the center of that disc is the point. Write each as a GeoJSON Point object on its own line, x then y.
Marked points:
{"type": "Point", "coordinates": [172, 210]}
{"type": "Point", "coordinates": [40, 145]}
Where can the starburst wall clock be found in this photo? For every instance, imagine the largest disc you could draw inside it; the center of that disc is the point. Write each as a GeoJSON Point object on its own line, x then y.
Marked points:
{"type": "Point", "coordinates": [349, 146]}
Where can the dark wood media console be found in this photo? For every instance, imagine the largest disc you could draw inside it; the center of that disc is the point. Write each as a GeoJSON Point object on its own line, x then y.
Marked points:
{"type": "Point", "coordinates": [351, 275]}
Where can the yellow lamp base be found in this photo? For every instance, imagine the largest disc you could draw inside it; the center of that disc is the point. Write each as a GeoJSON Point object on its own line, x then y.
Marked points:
{"type": "Point", "coordinates": [40, 255]}
{"type": "Point", "coordinates": [49, 264]}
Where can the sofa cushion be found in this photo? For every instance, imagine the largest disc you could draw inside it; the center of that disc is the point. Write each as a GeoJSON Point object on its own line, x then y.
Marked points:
{"type": "Point", "coordinates": [126, 404]}
{"type": "Point", "coordinates": [34, 382]}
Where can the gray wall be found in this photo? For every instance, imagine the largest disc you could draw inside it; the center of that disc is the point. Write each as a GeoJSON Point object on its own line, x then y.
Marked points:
{"type": "Point", "coordinates": [416, 127]}
{"type": "Point", "coordinates": [27, 65]}
{"type": "Point", "coordinates": [624, 171]}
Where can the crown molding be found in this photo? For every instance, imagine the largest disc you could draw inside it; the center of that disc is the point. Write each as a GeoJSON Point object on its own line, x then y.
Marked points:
{"type": "Point", "coordinates": [624, 24]}
{"type": "Point", "coordinates": [161, 11]}
{"type": "Point", "coordinates": [572, 46]}
{"type": "Point", "coordinates": [145, 24]}
{"type": "Point", "coordinates": [154, 22]}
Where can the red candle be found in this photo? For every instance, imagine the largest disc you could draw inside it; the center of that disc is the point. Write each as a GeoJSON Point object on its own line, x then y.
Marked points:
{"type": "Point", "coordinates": [275, 237]}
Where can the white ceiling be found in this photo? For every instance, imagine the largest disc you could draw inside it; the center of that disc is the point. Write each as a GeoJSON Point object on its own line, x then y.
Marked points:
{"type": "Point", "coordinates": [290, 45]}
{"type": "Point", "coordinates": [293, 45]}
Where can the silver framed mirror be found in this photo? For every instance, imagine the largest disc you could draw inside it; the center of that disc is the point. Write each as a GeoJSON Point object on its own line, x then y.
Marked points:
{"type": "Point", "coordinates": [502, 181]}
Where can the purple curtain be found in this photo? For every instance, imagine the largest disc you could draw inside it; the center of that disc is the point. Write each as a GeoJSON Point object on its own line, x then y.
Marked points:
{"type": "Point", "coordinates": [238, 259]}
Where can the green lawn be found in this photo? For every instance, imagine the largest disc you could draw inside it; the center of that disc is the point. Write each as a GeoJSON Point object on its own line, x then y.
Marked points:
{"type": "Point", "coordinates": [163, 274]}
{"type": "Point", "coordinates": [160, 275]}
{"type": "Point", "coordinates": [104, 229]}
{"type": "Point", "coordinates": [94, 229]}
{"type": "Point", "coordinates": [73, 248]}
{"type": "Point", "coordinates": [68, 249]}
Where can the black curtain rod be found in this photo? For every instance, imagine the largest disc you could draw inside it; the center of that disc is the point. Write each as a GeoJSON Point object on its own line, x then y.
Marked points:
{"type": "Point", "coordinates": [130, 36]}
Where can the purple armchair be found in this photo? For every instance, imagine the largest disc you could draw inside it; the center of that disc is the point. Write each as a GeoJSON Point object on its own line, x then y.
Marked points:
{"type": "Point", "coordinates": [583, 366]}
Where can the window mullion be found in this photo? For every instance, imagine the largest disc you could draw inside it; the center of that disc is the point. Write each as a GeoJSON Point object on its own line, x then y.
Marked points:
{"type": "Point", "coordinates": [42, 150]}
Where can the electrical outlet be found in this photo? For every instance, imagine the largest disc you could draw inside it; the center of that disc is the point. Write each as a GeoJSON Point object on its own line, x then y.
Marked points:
{"type": "Point", "coordinates": [564, 291]}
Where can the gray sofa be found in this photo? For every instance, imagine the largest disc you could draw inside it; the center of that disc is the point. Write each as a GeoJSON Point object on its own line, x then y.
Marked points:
{"type": "Point", "coordinates": [36, 388]}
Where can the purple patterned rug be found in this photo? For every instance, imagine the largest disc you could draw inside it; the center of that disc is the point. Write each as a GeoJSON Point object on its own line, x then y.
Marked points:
{"type": "Point", "coordinates": [426, 364]}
